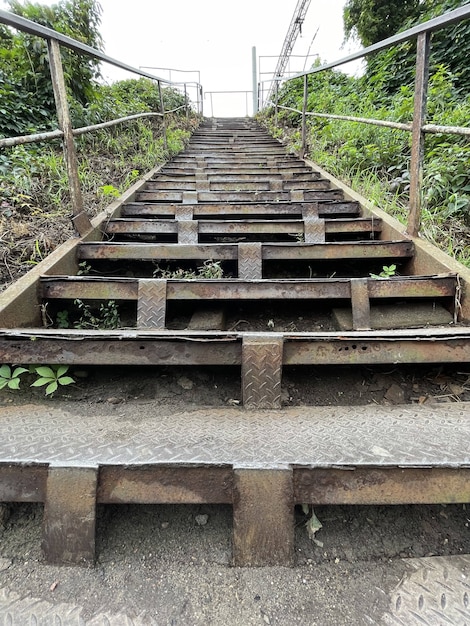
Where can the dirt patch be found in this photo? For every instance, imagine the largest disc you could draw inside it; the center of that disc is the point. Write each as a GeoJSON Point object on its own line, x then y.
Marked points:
{"type": "Point", "coordinates": [159, 563]}
{"type": "Point", "coordinates": [221, 386]}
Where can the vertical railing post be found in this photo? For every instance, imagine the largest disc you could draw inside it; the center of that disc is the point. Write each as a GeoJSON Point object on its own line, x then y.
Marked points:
{"type": "Point", "coordinates": [186, 102]}
{"type": "Point", "coordinates": [162, 108]}
{"type": "Point", "coordinates": [276, 105]}
{"type": "Point", "coordinates": [303, 149]}
{"type": "Point", "coordinates": [80, 219]}
{"type": "Point", "coordinates": [201, 100]}
{"type": "Point", "coordinates": [417, 141]}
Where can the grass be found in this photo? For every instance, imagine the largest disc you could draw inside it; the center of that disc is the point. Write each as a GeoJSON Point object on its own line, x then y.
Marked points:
{"type": "Point", "coordinates": [34, 191]}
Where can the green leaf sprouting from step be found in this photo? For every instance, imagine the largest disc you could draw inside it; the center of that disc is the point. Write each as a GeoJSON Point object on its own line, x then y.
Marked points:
{"type": "Point", "coordinates": [52, 376]}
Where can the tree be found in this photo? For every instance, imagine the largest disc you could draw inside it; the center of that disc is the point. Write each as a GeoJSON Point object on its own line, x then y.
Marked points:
{"type": "Point", "coordinates": [450, 49]}
{"type": "Point", "coordinates": [373, 20]}
{"type": "Point", "coordinates": [27, 99]}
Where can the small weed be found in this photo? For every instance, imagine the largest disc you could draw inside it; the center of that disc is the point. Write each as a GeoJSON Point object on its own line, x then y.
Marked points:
{"type": "Point", "coordinates": [52, 376]}
{"type": "Point", "coordinates": [387, 272]}
{"type": "Point", "coordinates": [83, 269]}
{"type": "Point", "coordinates": [62, 319]}
{"type": "Point", "coordinates": [109, 191]}
{"type": "Point", "coordinates": [107, 317]}
{"type": "Point", "coordinates": [9, 378]}
{"type": "Point", "coordinates": [209, 269]}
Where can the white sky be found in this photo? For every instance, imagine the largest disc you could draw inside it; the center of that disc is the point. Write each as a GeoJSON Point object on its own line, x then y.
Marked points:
{"type": "Point", "coordinates": [216, 38]}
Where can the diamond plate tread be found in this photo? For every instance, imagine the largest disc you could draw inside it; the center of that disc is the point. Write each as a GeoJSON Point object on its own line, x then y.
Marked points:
{"type": "Point", "coordinates": [151, 306]}
{"type": "Point", "coordinates": [18, 611]}
{"type": "Point", "coordinates": [250, 261]}
{"type": "Point", "coordinates": [320, 436]}
{"type": "Point", "coordinates": [262, 372]}
{"type": "Point", "coordinates": [188, 232]}
{"type": "Point", "coordinates": [435, 591]}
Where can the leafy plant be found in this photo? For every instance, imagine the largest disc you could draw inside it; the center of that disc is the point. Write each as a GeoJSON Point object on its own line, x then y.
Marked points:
{"type": "Point", "coordinates": [387, 272]}
{"type": "Point", "coordinates": [10, 378]}
{"type": "Point", "coordinates": [109, 191]}
{"type": "Point", "coordinates": [52, 377]}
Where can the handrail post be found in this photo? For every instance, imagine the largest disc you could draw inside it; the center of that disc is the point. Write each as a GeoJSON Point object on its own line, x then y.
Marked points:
{"type": "Point", "coordinates": [201, 100]}
{"type": "Point", "coordinates": [80, 219]}
{"type": "Point", "coordinates": [303, 149]}
{"type": "Point", "coordinates": [276, 105]}
{"type": "Point", "coordinates": [162, 107]}
{"type": "Point", "coordinates": [186, 102]}
{"type": "Point", "coordinates": [417, 141]}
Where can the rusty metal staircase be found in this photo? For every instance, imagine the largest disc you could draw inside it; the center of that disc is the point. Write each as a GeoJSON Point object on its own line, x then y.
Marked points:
{"type": "Point", "coordinates": [296, 279]}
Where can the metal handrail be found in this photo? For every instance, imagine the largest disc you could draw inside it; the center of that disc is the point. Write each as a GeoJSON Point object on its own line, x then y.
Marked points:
{"type": "Point", "coordinates": [66, 132]}
{"type": "Point", "coordinates": [211, 93]}
{"type": "Point", "coordinates": [417, 127]}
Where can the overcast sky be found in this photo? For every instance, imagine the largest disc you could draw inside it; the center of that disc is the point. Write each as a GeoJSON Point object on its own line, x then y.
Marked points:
{"type": "Point", "coordinates": [216, 38]}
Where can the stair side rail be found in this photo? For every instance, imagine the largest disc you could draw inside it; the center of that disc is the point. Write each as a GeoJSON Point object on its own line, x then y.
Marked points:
{"type": "Point", "coordinates": [66, 131]}
{"type": "Point", "coordinates": [418, 126]}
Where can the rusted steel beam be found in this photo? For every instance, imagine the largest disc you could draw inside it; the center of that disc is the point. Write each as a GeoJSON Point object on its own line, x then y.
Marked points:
{"type": "Point", "coordinates": [339, 250]}
{"type": "Point", "coordinates": [123, 352]}
{"type": "Point", "coordinates": [396, 349]}
{"type": "Point", "coordinates": [325, 208]}
{"type": "Point", "coordinates": [233, 289]}
{"type": "Point", "coordinates": [271, 251]}
{"type": "Point", "coordinates": [21, 483]}
{"type": "Point", "coordinates": [240, 196]}
{"type": "Point", "coordinates": [230, 176]}
{"type": "Point", "coordinates": [360, 304]}
{"type": "Point", "coordinates": [262, 371]}
{"type": "Point", "coordinates": [149, 251]}
{"type": "Point", "coordinates": [263, 518]}
{"type": "Point", "coordinates": [378, 485]}
{"type": "Point", "coordinates": [165, 485]}
{"type": "Point", "coordinates": [69, 515]}
{"type": "Point", "coordinates": [251, 226]}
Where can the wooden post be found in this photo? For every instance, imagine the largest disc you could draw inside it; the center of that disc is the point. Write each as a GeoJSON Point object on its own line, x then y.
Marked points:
{"type": "Point", "coordinates": [417, 141]}
{"type": "Point", "coordinates": [80, 219]}
{"type": "Point", "coordinates": [304, 119]}
{"type": "Point", "coordinates": [162, 107]}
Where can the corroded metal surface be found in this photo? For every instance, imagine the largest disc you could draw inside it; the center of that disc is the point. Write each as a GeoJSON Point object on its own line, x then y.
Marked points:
{"type": "Point", "coordinates": [265, 495]}
{"type": "Point", "coordinates": [151, 304]}
{"type": "Point", "coordinates": [262, 371]}
{"type": "Point", "coordinates": [435, 591]}
{"type": "Point", "coordinates": [250, 261]}
{"type": "Point", "coordinates": [245, 289]}
{"type": "Point", "coordinates": [69, 515]}
{"type": "Point", "coordinates": [367, 436]}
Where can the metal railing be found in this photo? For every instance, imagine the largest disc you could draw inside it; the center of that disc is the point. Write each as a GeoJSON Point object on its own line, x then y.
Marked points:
{"type": "Point", "coordinates": [417, 127]}
{"type": "Point", "coordinates": [65, 131]}
{"type": "Point", "coordinates": [247, 93]}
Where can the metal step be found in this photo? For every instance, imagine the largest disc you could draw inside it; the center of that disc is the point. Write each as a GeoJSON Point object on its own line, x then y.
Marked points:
{"type": "Point", "coordinates": [266, 210]}
{"type": "Point", "coordinates": [263, 463]}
